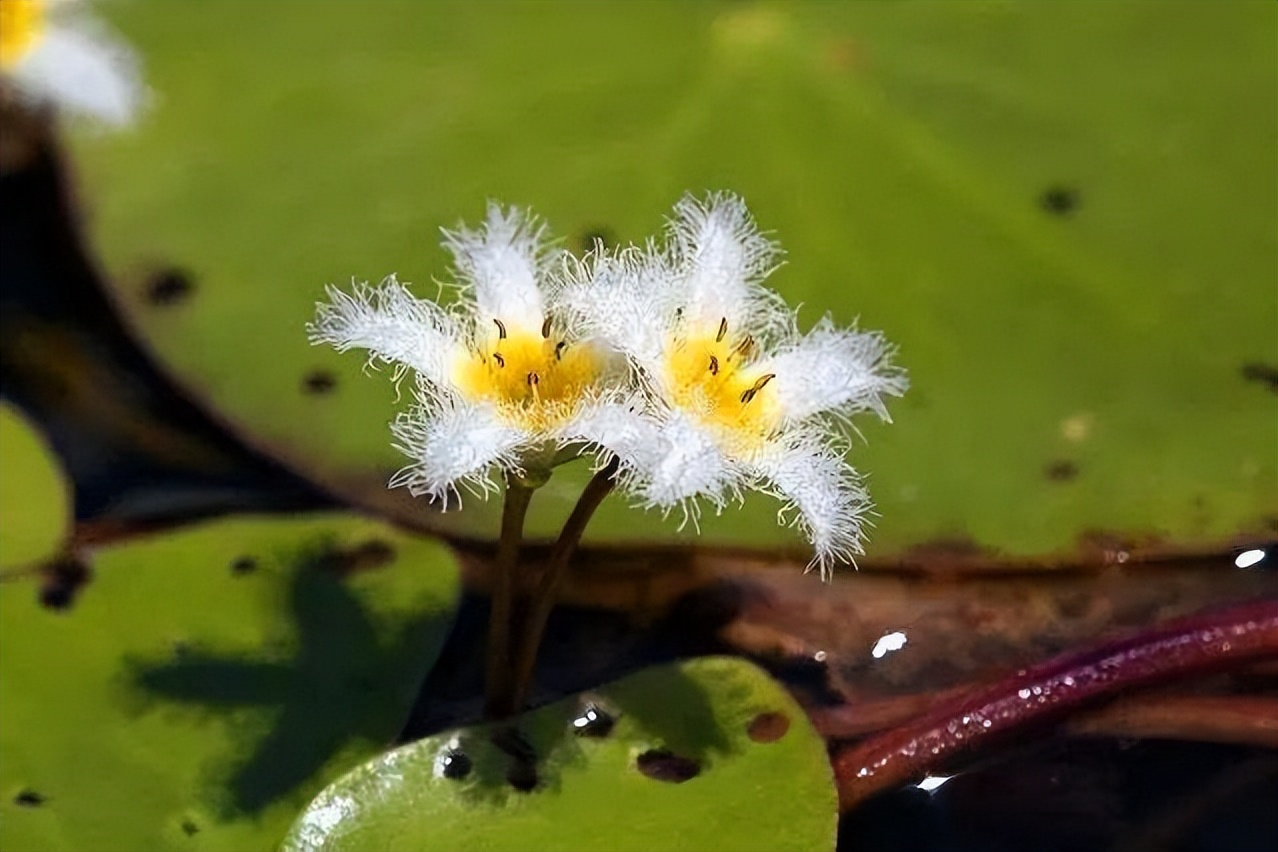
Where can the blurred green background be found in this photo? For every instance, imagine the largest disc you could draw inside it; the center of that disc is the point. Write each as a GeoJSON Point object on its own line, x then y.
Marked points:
{"type": "Point", "coordinates": [1063, 212]}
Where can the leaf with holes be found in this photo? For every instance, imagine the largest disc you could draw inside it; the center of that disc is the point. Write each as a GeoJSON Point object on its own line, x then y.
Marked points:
{"type": "Point", "coordinates": [701, 755]}
{"type": "Point", "coordinates": [205, 684]}
{"type": "Point", "coordinates": [1062, 213]}
{"type": "Point", "coordinates": [35, 500]}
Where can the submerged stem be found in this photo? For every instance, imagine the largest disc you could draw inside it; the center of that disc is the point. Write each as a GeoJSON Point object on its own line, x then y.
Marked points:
{"type": "Point", "coordinates": [499, 698]}
{"type": "Point", "coordinates": [543, 597]}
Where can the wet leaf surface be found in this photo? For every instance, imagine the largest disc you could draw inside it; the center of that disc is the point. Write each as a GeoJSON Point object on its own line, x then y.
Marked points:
{"type": "Point", "coordinates": [677, 771]}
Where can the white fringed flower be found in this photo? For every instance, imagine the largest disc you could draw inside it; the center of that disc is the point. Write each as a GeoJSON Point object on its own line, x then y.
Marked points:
{"type": "Point", "coordinates": [737, 398]}
{"type": "Point", "coordinates": [499, 383]}
{"type": "Point", "coordinates": [53, 51]}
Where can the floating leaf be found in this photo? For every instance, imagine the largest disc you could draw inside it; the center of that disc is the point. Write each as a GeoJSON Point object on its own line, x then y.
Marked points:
{"type": "Point", "coordinates": [702, 755]}
{"type": "Point", "coordinates": [206, 683]}
{"type": "Point", "coordinates": [35, 502]}
{"type": "Point", "coordinates": [1062, 213]}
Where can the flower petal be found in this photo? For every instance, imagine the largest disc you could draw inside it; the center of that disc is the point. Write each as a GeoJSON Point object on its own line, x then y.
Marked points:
{"type": "Point", "coordinates": [499, 265]}
{"type": "Point", "coordinates": [834, 369]}
{"type": "Point", "coordinates": [822, 491]}
{"type": "Point", "coordinates": [624, 300]}
{"type": "Point", "coordinates": [395, 326]}
{"type": "Point", "coordinates": [454, 445]}
{"type": "Point", "coordinates": [80, 66]}
{"type": "Point", "coordinates": [722, 259]}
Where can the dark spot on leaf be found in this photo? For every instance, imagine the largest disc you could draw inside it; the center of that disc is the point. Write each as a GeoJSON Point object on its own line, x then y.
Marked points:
{"type": "Point", "coordinates": [243, 565]}
{"type": "Point", "coordinates": [181, 648]}
{"type": "Point", "coordinates": [319, 381]}
{"type": "Point", "coordinates": [1061, 470]}
{"type": "Point", "coordinates": [61, 582]}
{"type": "Point", "coordinates": [1264, 374]}
{"type": "Point", "coordinates": [522, 775]}
{"type": "Point", "coordinates": [662, 765]}
{"type": "Point", "coordinates": [169, 286]}
{"type": "Point", "coordinates": [593, 237]}
{"type": "Point", "coordinates": [457, 765]}
{"type": "Point", "coordinates": [366, 556]}
{"type": "Point", "coordinates": [28, 799]}
{"type": "Point", "coordinates": [593, 721]}
{"type": "Point", "coordinates": [1059, 200]}
{"type": "Point", "coordinates": [768, 727]}
{"type": "Point", "coordinates": [189, 828]}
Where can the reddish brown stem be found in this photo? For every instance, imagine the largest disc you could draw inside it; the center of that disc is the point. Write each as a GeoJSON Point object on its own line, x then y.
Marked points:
{"type": "Point", "coordinates": [1239, 720]}
{"type": "Point", "coordinates": [1179, 648]}
{"type": "Point", "coordinates": [499, 699]}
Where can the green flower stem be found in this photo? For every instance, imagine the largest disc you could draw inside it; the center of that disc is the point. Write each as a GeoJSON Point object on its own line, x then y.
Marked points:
{"type": "Point", "coordinates": [499, 698]}
{"type": "Point", "coordinates": [543, 598]}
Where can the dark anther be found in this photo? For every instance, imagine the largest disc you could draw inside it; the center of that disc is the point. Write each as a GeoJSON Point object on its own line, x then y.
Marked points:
{"type": "Point", "coordinates": [169, 286]}
{"type": "Point", "coordinates": [1059, 200]}
{"type": "Point", "coordinates": [28, 799]}
{"type": "Point", "coordinates": [501, 329]}
{"type": "Point", "coordinates": [319, 381]}
{"type": "Point", "coordinates": [243, 565]}
{"type": "Point", "coordinates": [663, 765]}
{"type": "Point", "coordinates": [743, 348]}
{"type": "Point", "coordinates": [723, 330]}
{"type": "Point", "coordinates": [501, 362]}
{"type": "Point", "coordinates": [714, 366]}
{"type": "Point", "coordinates": [758, 386]}
{"type": "Point", "coordinates": [768, 727]}
{"type": "Point", "coordinates": [533, 379]}
{"type": "Point", "coordinates": [559, 349]}
{"type": "Point", "coordinates": [545, 328]}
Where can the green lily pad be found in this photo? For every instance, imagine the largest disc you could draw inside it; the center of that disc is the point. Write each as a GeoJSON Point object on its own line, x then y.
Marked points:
{"type": "Point", "coordinates": [729, 761]}
{"type": "Point", "coordinates": [1063, 213]}
{"type": "Point", "coordinates": [207, 683]}
{"type": "Point", "coordinates": [35, 501]}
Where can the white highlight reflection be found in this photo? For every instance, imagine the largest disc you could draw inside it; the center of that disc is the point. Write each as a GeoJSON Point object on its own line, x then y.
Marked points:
{"type": "Point", "coordinates": [1248, 558]}
{"type": "Point", "coordinates": [933, 782]}
{"type": "Point", "coordinates": [894, 641]}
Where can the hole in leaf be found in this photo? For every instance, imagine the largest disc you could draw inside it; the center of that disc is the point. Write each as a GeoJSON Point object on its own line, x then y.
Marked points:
{"type": "Point", "coordinates": [455, 765]}
{"type": "Point", "coordinates": [593, 721]}
{"type": "Point", "coordinates": [28, 798]}
{"type": "Point", "coordinates": [663, 765]}
{"type": "Point", "coordinates": [1059, 200]}
{"type": "Point", "coordinates": [1263, 374]}
{"type": "Point", "coordinates": [61, 582]}
{"type": "Point", "coordinates": [243, 565]}
{"type": "Point", "coordinates": [1061, 470]}
{"type": "Point", "coordinates": [319, 382]}
{"type": "Point", "coordinates": [169, 286]}
{"type": "Point", "coordinates": [768, 727]}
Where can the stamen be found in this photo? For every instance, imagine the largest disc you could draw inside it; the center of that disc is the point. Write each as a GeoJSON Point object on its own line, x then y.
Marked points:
{"type": "Point", "coordinates": [744, 347]}
{"type": "Point", "coordinates": [723, 330]}
{"type": "Point", "coordinates": [714, 366]}
{"type": "Point", "coordinates": [545, 328]}
{"type": "Point", "coordinates": [501, 362]}
{"type": "Point", "coordinates": [501, 329]}
{"type": "Point", "coordinates": [559, 349]}
{"type": "Point", "coordinates": [533, 379]}
{"type": "Point", "coordinates": [758, 386]}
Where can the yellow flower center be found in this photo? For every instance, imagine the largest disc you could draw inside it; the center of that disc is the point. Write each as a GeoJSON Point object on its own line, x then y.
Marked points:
{"type": "Point", "coordinates": [536, 379]}
{"type": "Point", "coordinates": [21, 24]}
{"type": "Point", "coordinates": [710, 376]}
